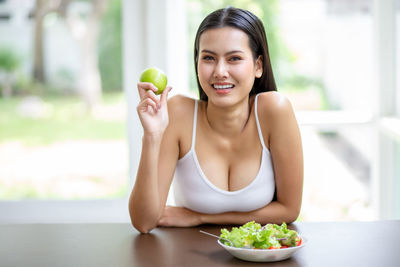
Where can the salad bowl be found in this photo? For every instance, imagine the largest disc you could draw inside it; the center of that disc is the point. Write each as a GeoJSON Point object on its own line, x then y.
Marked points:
{"type": "Point", "coordinates": [263, 255]}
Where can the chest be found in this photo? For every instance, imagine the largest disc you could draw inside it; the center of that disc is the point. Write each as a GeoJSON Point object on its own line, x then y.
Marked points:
{"type": "Point", "coordinates": [229, 164]}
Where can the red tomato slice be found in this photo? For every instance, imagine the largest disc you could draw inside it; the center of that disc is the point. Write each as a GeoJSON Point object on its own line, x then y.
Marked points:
{"type": "Point", "coordinates": [298, 243]}
{"type": "Point", "coordinates": [284, 246]}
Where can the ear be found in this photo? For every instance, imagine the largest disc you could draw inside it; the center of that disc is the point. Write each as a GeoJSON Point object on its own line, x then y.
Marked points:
{"type": "Point", "coordinates": [259, 67]}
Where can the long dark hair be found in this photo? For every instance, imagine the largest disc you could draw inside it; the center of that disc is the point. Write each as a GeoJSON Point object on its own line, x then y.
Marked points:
{"type": "Point", "coordinates": [250, 24]}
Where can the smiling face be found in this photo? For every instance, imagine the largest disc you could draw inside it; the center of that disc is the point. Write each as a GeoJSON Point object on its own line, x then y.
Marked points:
{"type": "Point", "coordinates": [226, 65]}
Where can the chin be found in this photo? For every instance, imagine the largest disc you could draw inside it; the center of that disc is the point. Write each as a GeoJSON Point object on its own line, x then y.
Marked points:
{"type": "Point", "coordinates": [225, 101]}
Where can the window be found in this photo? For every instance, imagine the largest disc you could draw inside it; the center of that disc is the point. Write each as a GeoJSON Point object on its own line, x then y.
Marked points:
{"type": "Point", "coordinates": [66, 125]}
{"type": "Point", "coordinates": [63, 145]}
{"type": "Point", "coordinates": [331, 43]}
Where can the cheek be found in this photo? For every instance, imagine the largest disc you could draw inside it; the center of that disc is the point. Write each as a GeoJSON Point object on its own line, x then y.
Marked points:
{"type": "Point", "coordinates": [204, 72]}
{"type": "Point", "coordinates": [201, 74]}
{"type": "Point", "coordinates": [244, 72]}
{"type": "Point", "coordinates": [204, 68]}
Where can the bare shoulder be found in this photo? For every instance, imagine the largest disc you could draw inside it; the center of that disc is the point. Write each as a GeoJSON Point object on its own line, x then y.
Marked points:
{"type": "Point", "coordinates": [180, 113]}
{"type": "Point", "coordinates": [180, 106]}
{"type": "Point", "coordinates": [274, 105]}
{"type": "Point", "coordinates": [278, 122]}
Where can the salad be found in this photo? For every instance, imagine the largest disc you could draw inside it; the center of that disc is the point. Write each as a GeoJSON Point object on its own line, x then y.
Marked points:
{"type": "Point", "coordinates": [253, 235]}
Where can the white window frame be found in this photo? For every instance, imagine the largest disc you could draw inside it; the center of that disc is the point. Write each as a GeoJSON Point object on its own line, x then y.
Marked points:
{"type": "Point", "coordinates": [141, 49]}
{"type": "Point", "coordinates": [388, 124]}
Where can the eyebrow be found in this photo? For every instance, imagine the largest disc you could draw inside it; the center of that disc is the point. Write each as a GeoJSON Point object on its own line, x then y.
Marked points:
{"type": "Point", "coordinates": [228, 53]}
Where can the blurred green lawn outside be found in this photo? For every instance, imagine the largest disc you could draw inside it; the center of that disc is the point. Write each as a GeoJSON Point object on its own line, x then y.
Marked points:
{"type": "Point", "coordinates": [67, 119]}
{"type": "Point", "coordinates": [66, 152]}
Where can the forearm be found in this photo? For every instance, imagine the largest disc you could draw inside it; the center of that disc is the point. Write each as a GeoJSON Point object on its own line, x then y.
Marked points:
{"type": "Point", "coordinates": [144, 202]}
{"type": "Point", "coordinates": [274, 212]}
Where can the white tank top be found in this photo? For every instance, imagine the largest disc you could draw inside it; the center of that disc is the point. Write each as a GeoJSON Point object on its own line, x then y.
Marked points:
{"type": "Point", "coordinates": [194, 191]}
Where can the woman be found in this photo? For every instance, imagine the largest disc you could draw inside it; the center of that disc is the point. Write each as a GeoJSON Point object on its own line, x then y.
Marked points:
{"type": "Point", "coordinates": [236, 153]}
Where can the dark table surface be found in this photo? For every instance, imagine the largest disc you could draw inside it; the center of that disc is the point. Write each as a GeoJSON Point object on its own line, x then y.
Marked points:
{"type": "Point", "coordinates": [118, 245]}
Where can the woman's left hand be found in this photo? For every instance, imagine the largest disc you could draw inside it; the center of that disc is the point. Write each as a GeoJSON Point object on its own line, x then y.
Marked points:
{"type": "Point", "coordinates": [179, 217]}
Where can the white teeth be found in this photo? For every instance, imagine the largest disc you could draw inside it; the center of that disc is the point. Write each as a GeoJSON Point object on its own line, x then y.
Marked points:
{"type": "Point", "coordinates": [223, 86]}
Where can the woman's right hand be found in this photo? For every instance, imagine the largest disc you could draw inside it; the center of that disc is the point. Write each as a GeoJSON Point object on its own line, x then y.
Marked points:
{"type": "Point", "coordinates": [152, 110]}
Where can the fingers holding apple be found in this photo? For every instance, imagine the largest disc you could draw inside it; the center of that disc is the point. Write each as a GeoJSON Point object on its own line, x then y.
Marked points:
{"type": "Point", "coordinates": [153, 80]}
{"type": "Point", "coordinates": [152, 108]}
{"type": "Point", "coordinates": [145, 87]}
{"type": "Point", "coordinates": [164, 95]}
{"type": "Point", "coordinates": [156, 77]}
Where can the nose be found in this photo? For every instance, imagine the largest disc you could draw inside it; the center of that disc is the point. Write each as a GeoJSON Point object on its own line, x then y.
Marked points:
{"type": "Point", "coordinates": [221, 70]}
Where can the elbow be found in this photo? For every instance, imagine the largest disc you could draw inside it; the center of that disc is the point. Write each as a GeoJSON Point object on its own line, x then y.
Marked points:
{"type": "Point", "coordinates": [142, 226]}
{"type": "Point", "coordinates": [292, 215]}
{"type": "Point", "coordinates": [140, 221]}
{"type": "Point", "coordinates": [291, 219]}
{"type": "Point", "coordinates": [143, 229]}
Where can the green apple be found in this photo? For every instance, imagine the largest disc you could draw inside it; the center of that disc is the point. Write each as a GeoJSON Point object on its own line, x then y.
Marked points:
{"type": "Point", "coordinates": [156, 77]}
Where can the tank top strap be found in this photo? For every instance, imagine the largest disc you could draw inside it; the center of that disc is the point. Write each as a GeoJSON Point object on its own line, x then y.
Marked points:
{"type": "Point", "coordinates": [258, 123]}
{"type": "Point", "coordinates": [194, 123]}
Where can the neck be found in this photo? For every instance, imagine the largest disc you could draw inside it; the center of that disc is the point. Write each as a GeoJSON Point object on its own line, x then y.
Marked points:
{"type": "Point", "coordinates": [228, 121]}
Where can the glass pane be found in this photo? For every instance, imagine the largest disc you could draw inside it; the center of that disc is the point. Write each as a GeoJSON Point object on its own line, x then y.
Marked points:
{"type": "Point", "coordinates": [322, 51]}
{"type": "Point", "coordinates": [338, 174]}
{"type": "Point", "coordinates": [331, 49]}
{"type": "Point", "coordinates": [62, 109]}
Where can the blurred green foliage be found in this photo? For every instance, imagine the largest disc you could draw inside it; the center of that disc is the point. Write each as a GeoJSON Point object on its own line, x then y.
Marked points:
{"type": "Point", "coordinates": [9, 59]}
{"type": "Point", "coordinates": [110, 48]}
{"type": "Point", "coordinates": [9, 62]}
{"type": "Point", "coordinates": [109, 53]}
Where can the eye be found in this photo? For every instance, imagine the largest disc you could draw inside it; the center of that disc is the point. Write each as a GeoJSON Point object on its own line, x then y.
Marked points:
{"type": "Point", "coordinates": [208, 58]}
{"type": "Point", "coordinates": [235, 58]}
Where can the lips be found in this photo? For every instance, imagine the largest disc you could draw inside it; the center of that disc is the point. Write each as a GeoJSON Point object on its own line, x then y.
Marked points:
{"type": "Point", "coordinates": [222, 86]}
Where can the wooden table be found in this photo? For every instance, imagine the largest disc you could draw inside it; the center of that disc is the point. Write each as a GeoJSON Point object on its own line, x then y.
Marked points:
{"type": "Point", "coordinates": [118, 245]}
